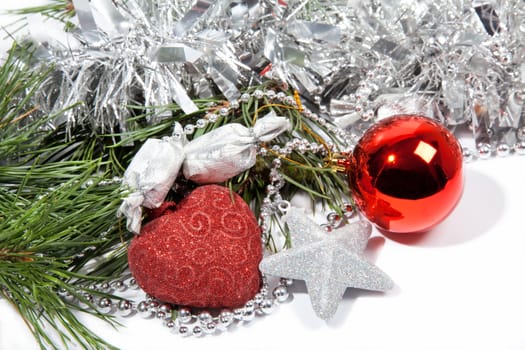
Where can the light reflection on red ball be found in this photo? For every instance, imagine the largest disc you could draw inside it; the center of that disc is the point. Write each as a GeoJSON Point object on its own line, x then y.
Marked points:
{"type": "Point", "coordinates": [406, 173]}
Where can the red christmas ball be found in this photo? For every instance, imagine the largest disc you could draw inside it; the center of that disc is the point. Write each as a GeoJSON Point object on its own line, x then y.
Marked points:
{"type": "Point", "coordinates": [203, 252]}
{"type": "Point", "coordinates": [406, 173]}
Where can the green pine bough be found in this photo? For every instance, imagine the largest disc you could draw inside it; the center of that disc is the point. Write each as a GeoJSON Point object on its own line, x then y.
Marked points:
{"type": "Point", "coordinates": [58, 198]}
{"type": "Point", "coordinates": [60, 10]}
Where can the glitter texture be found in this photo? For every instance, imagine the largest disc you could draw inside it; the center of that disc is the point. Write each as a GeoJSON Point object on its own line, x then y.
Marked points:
{"type": "Point", "coordinates": [204, 253]}
{"type": "Point", "coordinates": [328, 262]}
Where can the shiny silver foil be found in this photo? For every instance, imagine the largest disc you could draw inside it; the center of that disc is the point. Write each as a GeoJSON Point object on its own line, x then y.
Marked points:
{"type": "Point", "coordinates": [465, 60]}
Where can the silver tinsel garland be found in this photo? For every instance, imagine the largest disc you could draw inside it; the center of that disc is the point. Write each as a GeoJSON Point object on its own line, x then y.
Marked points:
{"type": "Point", "coordinates": [356, 61]}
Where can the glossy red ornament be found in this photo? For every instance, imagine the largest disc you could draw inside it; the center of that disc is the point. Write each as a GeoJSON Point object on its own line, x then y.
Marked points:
{"type": "Point", "coordinates": [203, 252]}
{"type": "Point", "coordinates": [406, 173]}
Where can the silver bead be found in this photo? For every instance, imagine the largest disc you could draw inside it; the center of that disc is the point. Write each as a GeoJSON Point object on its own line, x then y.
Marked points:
{"type": "Point", "coordinates": [189, 129]}
{"type": "Point", "coordinates": [519, 147]}
{"type": "Point", "coordinates": [327, 227]}
{"type": "Point", "coordinates": [258, 94]}
{"type": "Point", "coordinates": [503, 150]}
{"type": "Point", "coordinates": [166, 308]}
{"type": "Point", "coordinates": [234, 105]}
{"type": "Point", "coordinates": [142, 307]}
{"type": "Point", "coordinates": [267, 306]}
{"type": "Point", "coordinates": [184, 315]}
{"type": "Point", "coordinates": [245, 97]}
{"type": "Point", "coordinates": [144, 310]}
{"type": "Point", "coordinates": [264, 290]}
{"type": "Point", "coordinates": [212, 118]}
{"type": "Point", "coordinates": [363, 92]}
{"type": "Point", "coordinates": [226, 318]}
{"type": "Point", "coordinates": [70, 298]}
{"type": "Point", "coordinates": [184, 331]}
{"type": "Point", "coordinates": [301, 149]}
{"type": "Point", "coordinates": [237, 314]}
{"type": "Point", "coordinates": [264, 215]}
{"type": "Point", "coordinates": [281, 96]}
{"type": "Point", "coordinates": [88, 299]}
{"type": "Point", "coordinates": [132, 283]}
{"type": "Point", "coordinates": [314, 117]}
{"type": "Point", "coordinates": [201, 123]}
{"type": "Point", "coordinates": [348, 210]}
{"type": "Point", "coordinates": [125, 307]}
{"type": "Point", "coordinates": [205, 317]}
{"type": "Point", "coordinates": [367, 115]}
{"type": "Point", "coordinates": [280, 293]}
{"type": "Point", "coordinates": [333, 218]}
{"type": "Point", "coordinates": [105, 305]}
{"type": "Point", "coordinates": [270, 94]}
{"type": "Point", "coordinates": [258, 298]}
{"type": "Point", "coordinates": [170, 324]}
{"type": "Point", "coordinates": [248, 315]}
{"type": "Point", "coordinates": [119, 286]}
{"type": "Point", "coordinates": [66, 296]}
{"type": "Point", "coordinates": [289, 100]}
{"type": "Point", "coordinates": [105, 287]}
{"type": "Point", "coordinates": [153, 306]}
{"type": "Point", "coordinates": [484, 150]}
{"type": "Point", "coordinates": [250, 306]}
{"type": "Point", "coordinates": [307, 113]}
{"type": "Point", "coordinates": [197, 331]}
{"type": "Point", "coordinates": [520, 134]}
{"type": "Point", "coordinates": [224, 111]}
{"type": "Point", "coordinates": [210, 327]}
{"type": "Point", "coordinates": [468, 156]}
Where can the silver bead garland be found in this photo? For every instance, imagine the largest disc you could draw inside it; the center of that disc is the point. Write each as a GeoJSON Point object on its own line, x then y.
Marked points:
{"type": "Point", "coordinates": [186, 322]}
{"type": "Point", "coordinates": [181, 320]}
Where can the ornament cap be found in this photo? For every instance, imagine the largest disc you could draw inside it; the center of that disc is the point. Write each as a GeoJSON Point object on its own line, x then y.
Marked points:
{"type": "Point", "coordinates": [338, 161]}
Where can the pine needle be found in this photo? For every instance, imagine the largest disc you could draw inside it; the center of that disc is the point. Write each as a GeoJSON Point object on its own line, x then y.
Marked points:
{"type": "Point", "coordinates": [61, 10]}
{"type": "Point", "coordinates": [52, 214]}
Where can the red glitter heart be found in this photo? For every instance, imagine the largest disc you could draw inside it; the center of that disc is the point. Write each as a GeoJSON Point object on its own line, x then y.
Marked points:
{"type": "Point", "coordinates": [205, 253]}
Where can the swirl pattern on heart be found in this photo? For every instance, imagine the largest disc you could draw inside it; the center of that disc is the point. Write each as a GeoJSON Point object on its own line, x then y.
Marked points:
{"type": "Point", "coordinates": [205, 253]}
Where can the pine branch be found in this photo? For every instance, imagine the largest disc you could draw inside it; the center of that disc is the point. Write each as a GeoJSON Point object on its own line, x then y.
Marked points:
{"type": "Point", "coordinates": [55, 217]}
{"type": "Point", "coordinates": [60, 10]}
{"type": "Point", "coordinates": [46, 236]}
{"type": "Point", "coordinates": [303, 171]}
{"type": "Point", "coordinates": [58, 217]}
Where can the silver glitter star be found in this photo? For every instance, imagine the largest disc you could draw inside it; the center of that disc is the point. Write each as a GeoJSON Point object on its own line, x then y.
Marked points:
{"type": "Point", "coordinates": [328, 262]}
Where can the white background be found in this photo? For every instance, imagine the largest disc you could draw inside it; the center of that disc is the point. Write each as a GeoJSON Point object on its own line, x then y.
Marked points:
{"type": "Point", "coordinates": [460, 286]}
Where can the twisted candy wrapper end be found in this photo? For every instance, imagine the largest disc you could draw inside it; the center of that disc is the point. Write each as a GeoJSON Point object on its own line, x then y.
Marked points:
{"type": "Point", "coordinates": [229, 150]}
{"type": "Point", "coordinates": [150, 176]}
{"type": "Point", "coordinates": [131, 208]}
